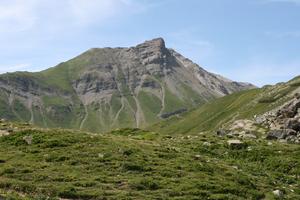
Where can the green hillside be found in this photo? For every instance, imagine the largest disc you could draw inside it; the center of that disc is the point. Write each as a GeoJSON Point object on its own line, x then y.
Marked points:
{"type": "Point", "coordinates": [223, 111]}
{"type": "Point", "coordinates": [134, 164]}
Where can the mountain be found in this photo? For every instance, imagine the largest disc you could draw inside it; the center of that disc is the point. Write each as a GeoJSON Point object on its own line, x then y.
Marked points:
{"type": "Point", "coordinates": [263, 112]}
{"type": "Point", "coordinates": [107, 88]}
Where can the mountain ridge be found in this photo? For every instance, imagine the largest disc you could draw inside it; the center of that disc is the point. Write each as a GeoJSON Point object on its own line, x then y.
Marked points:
{"type": "Point", "coordinates": [106, 88]}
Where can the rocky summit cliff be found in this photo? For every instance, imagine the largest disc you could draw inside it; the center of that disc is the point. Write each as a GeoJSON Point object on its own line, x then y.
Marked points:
{"type": "Point", "coordinates": [107, 88]}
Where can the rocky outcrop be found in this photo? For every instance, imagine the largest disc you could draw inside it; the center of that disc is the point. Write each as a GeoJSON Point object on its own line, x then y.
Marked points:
{"type": "Point", "coordinates": [283, 122]}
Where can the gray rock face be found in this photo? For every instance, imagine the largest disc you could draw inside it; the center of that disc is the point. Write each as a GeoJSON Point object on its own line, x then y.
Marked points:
{"type": "Point", "coordinates": [283, 122]}
{"type": "Point", "coordinates": [281, 134]}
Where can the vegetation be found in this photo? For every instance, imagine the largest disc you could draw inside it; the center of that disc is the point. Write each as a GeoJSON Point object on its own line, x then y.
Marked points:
{"type": "Point", "coordinates": [136, 164]}
{"type": "Point", "coordinates": [220, 112]}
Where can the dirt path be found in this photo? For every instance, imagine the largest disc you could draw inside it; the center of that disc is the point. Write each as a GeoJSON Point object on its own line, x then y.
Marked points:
{"type": "Point", "coordinates": [139, 115]}
{"type": "Point", "coordinates": [85, 117]}
{"type": "Point", "coordinates": [163, 95]}
{"type": "Point", "coordinates": [119, 111]}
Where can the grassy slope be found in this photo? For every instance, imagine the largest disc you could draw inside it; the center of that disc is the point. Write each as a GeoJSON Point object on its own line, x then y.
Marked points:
{"type": "Point", "coordinates": [134, 164]}
{"type": "Point", "coordinates": [218, 112]}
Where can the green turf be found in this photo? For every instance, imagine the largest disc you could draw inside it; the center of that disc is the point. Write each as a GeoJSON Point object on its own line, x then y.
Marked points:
{"type": "Point", "coordinates": [135, 164]}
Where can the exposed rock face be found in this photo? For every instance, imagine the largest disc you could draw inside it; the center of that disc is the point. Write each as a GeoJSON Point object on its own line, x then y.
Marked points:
{"type": "Point", "coordinates": [112, 87]}
{"type": "Point", "coordinates": [283, 122]}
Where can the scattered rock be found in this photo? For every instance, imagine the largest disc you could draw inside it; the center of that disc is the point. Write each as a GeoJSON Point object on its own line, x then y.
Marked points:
{"type": "Point", "coordinates": [235, 167]}
{"type": "Point", "coordinates": [197, 157]}
{"type": "Point", "coordinates": [221, 132]}
{"type": "Point", "coordinates": [28, 139]}
{"type": "Point", "coordinates": [100, 155]}
{"type": "Point", "coordinates": [278, 193]}
{"type": "Point", "coordinates": [249, 136]}
{"type": "Point", "coordinates": [3, 133]}
{"type": "Point", "coordinates": [236, 144]}
{"type": "Point", "coordinates": [206, 144]}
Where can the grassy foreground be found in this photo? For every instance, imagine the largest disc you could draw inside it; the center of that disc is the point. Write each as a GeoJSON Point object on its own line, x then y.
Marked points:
{"type": "Point", "coordinates": [135, 164]}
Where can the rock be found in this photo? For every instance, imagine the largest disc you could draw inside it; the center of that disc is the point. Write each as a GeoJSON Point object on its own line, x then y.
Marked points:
{"type": "Point", "coordinates": [245, 124]}
{"type": "Point", "coordinates": [249, 136]}
{"type": "Point", "coordinates": [278, 193]}
{"type": "Point", "coordinates": [280, 134]}
{"type": "Point", "coordinates": [221, 132]}
{"type": "Point", "coordinates": [3, 133]}
{"type": "Point", "coordinates": [235, 167]}
{"type": "Point", "coordinates": [206, 144]}
{"type": "Point", "coordinates": [293, 124]}
{"type": "Point", "coordinates": [28, 139]}
{"type": "Point", "coordinates": [100, 155]}
{"type": "Point", "coordinates": [236, 144]}
{"type": "Point", "coordinates": [197, 157]}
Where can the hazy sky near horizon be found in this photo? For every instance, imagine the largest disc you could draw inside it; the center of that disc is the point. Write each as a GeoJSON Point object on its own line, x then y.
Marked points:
{"type": "Point", "coordinates": [256, 41]}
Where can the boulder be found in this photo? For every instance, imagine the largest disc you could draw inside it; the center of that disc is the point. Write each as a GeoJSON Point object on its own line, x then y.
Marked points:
{"type": "Point", "coordinates": [293, 123]}
{"type": "Point", "coordinates": [28, 139]}
{"type": "Point", "coordinates": [221, 132]}
{"type": "Point", "coordinates": [3, 133]}
{"type": "Point", "coordinates": [278, 193]}
{"type": "Point", "coordinates": [206, 144]}
{"type": "Point", "coordinates": [280, 134]}
{"type": "Point", "coordinates": [236, 144]}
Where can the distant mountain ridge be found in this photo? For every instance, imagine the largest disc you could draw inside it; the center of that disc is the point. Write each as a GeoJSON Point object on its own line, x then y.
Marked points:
{"type": "Point", "coordinates": [107, 88]}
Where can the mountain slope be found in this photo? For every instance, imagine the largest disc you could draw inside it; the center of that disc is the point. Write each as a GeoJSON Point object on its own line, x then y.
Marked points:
{"type": "Point", "coordinates": [222, 112]}
{"type": "Point", "coordinates": [111, 88]}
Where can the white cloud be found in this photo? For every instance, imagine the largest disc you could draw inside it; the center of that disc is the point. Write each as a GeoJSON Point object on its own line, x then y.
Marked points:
{"type": "Point", "coordinates": [16, 15]}
{"type": "Point", "coordinates": [20, 15]}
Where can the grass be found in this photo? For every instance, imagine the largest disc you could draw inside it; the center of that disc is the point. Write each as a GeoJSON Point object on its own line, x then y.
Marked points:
{"type": "Point", "coordinates": [220, 112]}
{"type": "Point", "coordinates": [151, 106]}
{"type": "Point", "coordinates": [172, 102]}
{"type": "Point", "coordinates": [136, 164]}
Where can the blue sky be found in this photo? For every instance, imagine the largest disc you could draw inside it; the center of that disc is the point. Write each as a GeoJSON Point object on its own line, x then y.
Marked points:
{"type": "Point", "coordinates": [257, 41]}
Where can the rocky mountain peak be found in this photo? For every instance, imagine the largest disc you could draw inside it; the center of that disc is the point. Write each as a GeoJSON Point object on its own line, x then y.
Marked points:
{"type": "Point", "coordinates": [156, 43]}
{"type": "Point", "coordinates": [152, 51]}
